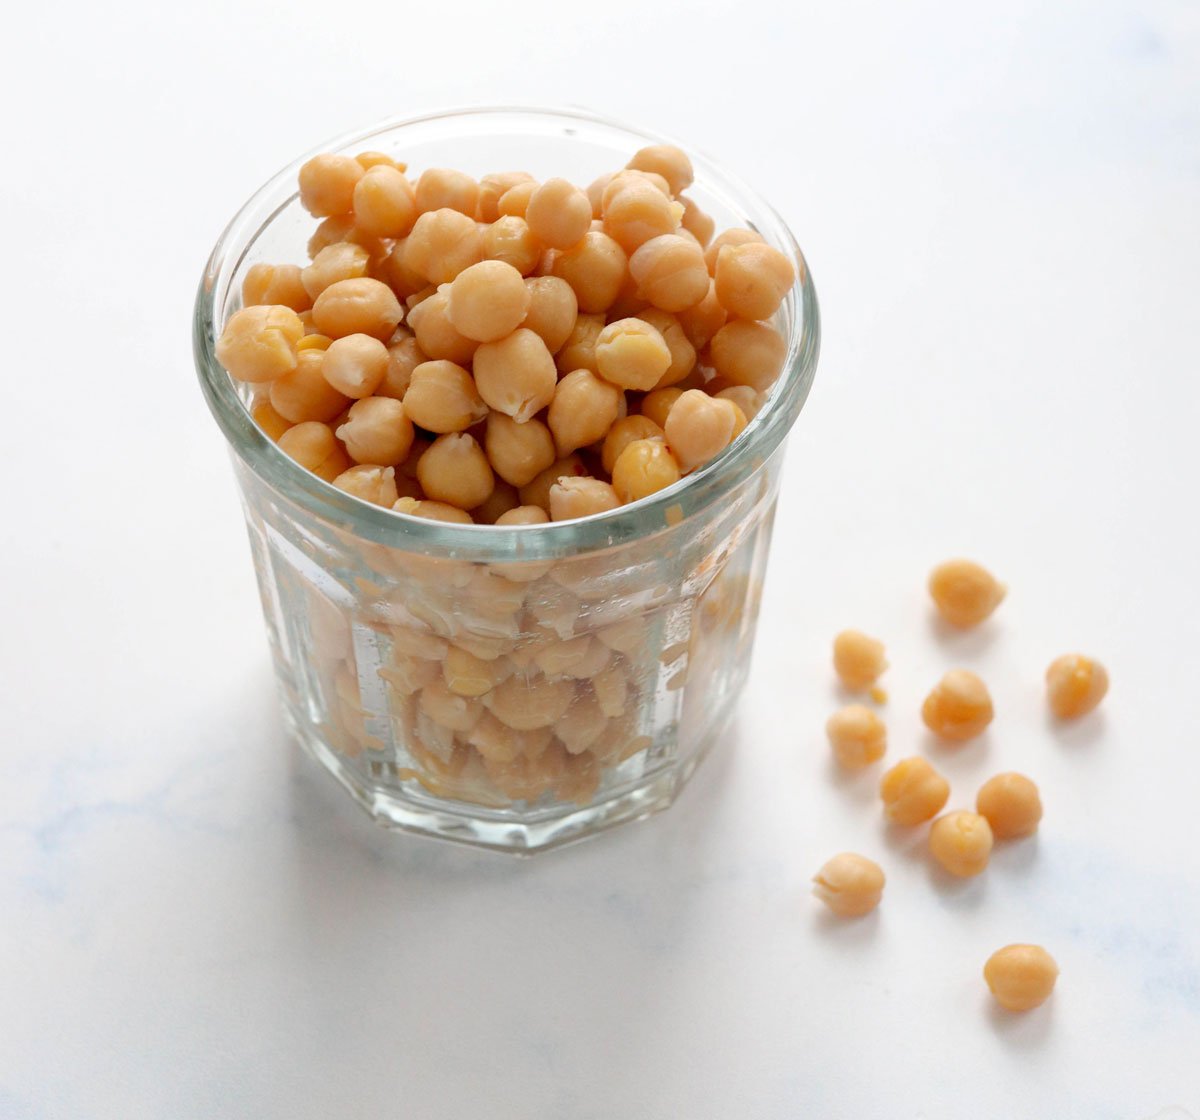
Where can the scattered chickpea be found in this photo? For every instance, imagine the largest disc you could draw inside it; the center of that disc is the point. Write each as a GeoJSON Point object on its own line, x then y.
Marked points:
{"type": "Point", "coordinates": [595, 269]}
{"type": "Point", "coordinates": [632, 354]}
{"type": "Point", "coordinates": [355, 365]}
{"type": "Point", "coordinates": [552, 311]}
{"type": "Point", "coordinates": [259, 343]}
{"type": "Point", "coordinates": [373, 484]}
{"type": "Point", "coordinates": [516, 375]}
{"type": "Point", "coordinates": [435, 334]}
{"type": "Point", "coordinates": [314, 446]}
{"type": "Point", "coordinates": [962, 843]}
{"type": "Point", "coordinates": [670, 272]}
{"type": "Point", "coordinates": [584, 408]}
{"type": "Point", "coordinates": [456, 471]}
{"type": "Point", "coordinates": [622, 434]}
{"type": "Point", "coordinates": [559, 214]}
{"type": "Point", "coordinates": [965, 593]}
{"type": "Point", "coordinates": [913, 792]}
{"type": "Point", "coordinates": [959, 707]}
{"type": "Point", "coordinates": [278, 284]}
{"type": "Point", "coordinates": [439, 188]}
{"type": "Point", "coordinates": [850, 885]}
{"type": "Point", "coordinates": [509, 240]}
{"type": "Point", "coordinates": [304, 394]}
{"type": "Point", "coordinates": [748, 353]}
{"type": "Point", "coordinates": [1075, 684]}
{"type": "Point", "coordinates": [858, 659]}
{"type": "Point", "coordinates": [857, 735]}
{"type": "Point", "coordinates": [1011, 804]}
{"type": "Point", "coordinates": [700, 427]}
{"type": "Point", "coordinates": [385, 204]}
{"type": "Point", "coordinates": [571, 498]}
{"type": "Point", "coordinates": [443, 243]}
{"type": "Point", "coordinates": [358, 306]}
{"type": "Point", "coordinates": [1021, 977]}
{"type": "Point", "coordinates": [643, 468]}
{"type": "Point", "coordinates": [327, 185]}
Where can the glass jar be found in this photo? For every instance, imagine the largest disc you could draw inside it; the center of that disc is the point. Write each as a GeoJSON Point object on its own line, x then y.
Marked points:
{"type": "Point", "coordinates": [511, 687]}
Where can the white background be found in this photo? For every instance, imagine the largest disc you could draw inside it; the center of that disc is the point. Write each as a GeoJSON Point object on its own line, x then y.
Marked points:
{"type": "Point", "coordinates": [1001, 207]}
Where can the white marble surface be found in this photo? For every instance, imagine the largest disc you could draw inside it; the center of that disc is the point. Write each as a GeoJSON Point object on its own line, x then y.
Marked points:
{"type": "Point", "coordinates": [1002, 211]}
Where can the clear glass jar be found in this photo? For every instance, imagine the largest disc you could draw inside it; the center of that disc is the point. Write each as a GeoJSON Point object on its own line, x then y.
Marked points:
{"type": "Point", "coordinates": [593, 663]}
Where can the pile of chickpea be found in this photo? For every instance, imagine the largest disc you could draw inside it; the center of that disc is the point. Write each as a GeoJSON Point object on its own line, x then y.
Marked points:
{"type": "Point", "coordinates": [959, 708]}
{"type": "Point", "coordinates": [507, 351]}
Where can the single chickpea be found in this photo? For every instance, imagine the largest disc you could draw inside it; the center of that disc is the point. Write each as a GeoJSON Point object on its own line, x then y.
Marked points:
{"type": "Point", "coordinates": [699, 428]}
{"type": "Point", "coordinates": [314, 342]}
{"type": "Point", "coordinates": [595, 269]}
{"type": "Point", "coordinates": [373, 484]}
{"type": "Point", "coordinates": [404, 281]}
{"type": "Point", "coordinates": [631, 177]}
{"type": "Point", "coordinates": [439, 188]}
{"type": "Point", "coordinates": [377, 430]}
{"type": "Point", "coordinates": [509, 240]}
{"type": "Point", "coordinates": [536, 492]}
{"type": "Point", "coordinates": [259, 343]}
{"type": "Point", "coordinates": [643, 468]}
{"type": "Point", "coordinates": [404, 355]}
{"type": "Point", "coordinates": [964, 592]}
{"type": "Point", "coordinates": [552, 310]}
{"type": "Point", "coordinates": [1075, 685]}
{"type": "Point", "coordinates": [514, 202]}
{"type": "Point", "coordinates": [701, 322]}
{"type": "Point", "coordinates": [850, 885]}
{"type": "Point", "coordinates": [435, 334]}
{"type": "Point", "coordinates": [304, 394]}
{"type": "Point", "coordinates": [752, 279]}
{"type": "Point", "coordinates": [913, 792]}
{"type": "Point", "coordinates": [314, 446]}
{"type": "Point", "coordinates": [433, 511]}
{"type": "Point", "coordinates": [959, 707]}
{"type": "Point", "coordinates": [355, 365]}
{"type": "Point", "coordinates": [272, 424]}
{"type": "Point", "coordinates": [1011, 804]}
{"type": "Point", "coordinates": [669, 271]}
{"type": "Point", "coordinates": [519, 452]}
{"type": "Point", "coordinates": [637, 212]}
{"type": "Point", "coordinates": [962, 843]}
{"type": "Point", "coordinates": [668, 161]}
{"type": "Point", "coordinates": [524, 515]}
{"type": "Point", "coordinates": [449, 708]}
{"type": "Point", "coordinates": [327, 185]}
{"type": "Point", "coordinates": [516, 375]}
{"type": "Point", "coordinates": [729, 237]}
{"type": "Point", "coordinates": [367, 160]}
{"type": "Point", "coordinates": [1021, 977]}
{"type": "Point", "coordinates": [624, 432]}
{"type": "Point", "coordinates": [340, 261]}
{"type": "Point", "coordinates": [748, 400]}
{"type": "Point", "coordinates": [699, 224]}
{"type": "Point", "coordinates": [857, 735]}
{"type": "Point", "coordinates": [579, 350]}
{"type": "Point", "coordinates": [361, 306]}
{"type": "Point", "coordinates": [503, 498]}
{"type": "Point", "coordinates": [571, 498]}
{"type": "Point", "coordinates": [487, 301]}
{"type": "Point", "coordinates": [466, 674]}
{"type": "Point", "coordinates": [632, 354]}
{"type": "Point", "coordinates": [442, 243]}
{"type": "Point", "coordinates": [656, 406]}
{"type": "Point", "coordinates": [493, 187]}
{"type": "Point", "coordinates": [559, 214]}
{"type": "Point", "coordinates": [858, 659]}
{"type": "Point", "coordinates": [595, 192]}
{"type": "Point", "coordinates": [582, 411]}
{"type": "Point", "coordinates": [683, 353]}
{"type": "Point", "coordinates": [748, 353]}
{"type": "Point", "coordinates": [385, 204]}
{"type": "Point", "coordinates": [455, 471]}
{"type": "Point", "coordinates": [442, 398]}
{"type": "Point", "coordinates": [330, 232]}
{"type": "Point", "coordinates": [275, 284]}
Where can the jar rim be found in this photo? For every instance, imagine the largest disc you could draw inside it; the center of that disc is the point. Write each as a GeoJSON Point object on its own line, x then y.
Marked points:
{"type": "Point", "coordinates": [553, 540]}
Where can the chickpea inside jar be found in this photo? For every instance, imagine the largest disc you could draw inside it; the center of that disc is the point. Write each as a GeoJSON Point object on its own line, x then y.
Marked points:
{"type": "Point", "coordinates": [508, 415]}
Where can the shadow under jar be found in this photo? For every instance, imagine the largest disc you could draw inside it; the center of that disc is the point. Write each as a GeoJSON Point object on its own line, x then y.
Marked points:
{"type": "Point", "coordinates": [593, 662]}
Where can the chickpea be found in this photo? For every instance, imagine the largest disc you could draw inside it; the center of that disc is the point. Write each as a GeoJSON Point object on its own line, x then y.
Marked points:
{"type": "Point", "coordinates": [355, 365]}
{"type": "Point", "coordinates": [581, 726]}
{"type": "Point", "coordinates": [965, 593]}
{"type": "Point", "coordinates": [748, 400]}
{"type": "Point", "coordinates": [579, 350]}
{"type": "Point", "coordinates": [595, 192]}
{"type": "Point", "coordinates": [275, 284]}
{"type": "Point", "coordinates": [404, 355]}
{"type": "Point", "coordinates": [643, 468]}
{"type": "Point", "coordinates": [857, 735]}
{"type": "Point", "coordinates": [524, 515]}
{"type": "Point", "coordinates": [631, 177]}
{"type": "Point", "coordinates": [516, 375]}
{"type": "Point", "coordinates": [536, 492]}
{"type": "Point", "coordinates": [959, 707]}
{"type": "Point", "coordinates": [701, 322]}
{"type": "Point", "coordinates": [527, 705]}
{"type": "Point", "coordinates": [433, 511]}
{"type": "Point", "coordinates": [858, 659]}
{"type": "Point", "coordinates": [442, 243]}
{"type": "Point", "coordinates": [487, 301]}
{"type": "Point", "coordinates": [656, 406]}
{"type": "Point", "coordinates": [683, 353]}
{"type": "Point", "coordinates": [340, 261]}
{"type": "Point", "coordinates": [304, 394]}
{"type": "Point", "coordinates": [558, 214]}
{"type": "Point", "coordinates": [518, 451]}
{"type": "Point", "coordinates": [377, 430]}
{"type": "Point", "coordinates": [376, 485]}
{"type": "Point", "coordinates": [330, 232]}
{"type": "Point", "coordinates": [1075, 685]}
{"type": "Point", "coordinates": [1021, 977]}
{"type": "Point", "coordinates": [637, 212]}
{"type": "Point", "coordinates": [367, 160]}
{"type": "Point", "coordinates": [612, 691]}
{"type": "Point", "coordinates": [314, 342]}
{"type": "Point", "coordinates": [435, 334]}
{"type": "Point", "coordinates": [913, 792]}
{"type": "Point", "coordinates": [314, 446]}
{"type": "Point", "coordinates": [748, 353]}
{"type": "Point", "coordinates": [510, 241]}
{"type": "Point", "coordinates": [571, 498]}
{"type": "Point", "coordinates": [669, 271]}
{"type": "Point", "coordinates": [359, 306]}
{"type": "Point", "coordinates": [699, 428]}
{"type": "Point", "coordinates": [668, 161]}
{"type": "Point", "coordinates": [699, 224]}
{"type": "Point", "coordinates": [393, 270]}
{"type": "Point", "coordinates": [385, 204]}
{"type": "Point", "coordinates": [272, 424]}
{"type": "Point", "coordinates": [624, 432]}
{"type": "Point", "coordinates": [961, 842]}
{"type": "Point", "coordinates": [327, 185]}
{"type": "Point", "coordinates": [729, 237]}
{"type": "Point", "coordinates": [582, 411]}
{"type": "Point", "coordinates": [468, 675]}
{"type": "Point", "coordinates": [493, 187]}
{"type": "Point", "coordinates": [632, 354]}
{"type": "Point", "coordinates": [455, 711]}
{"type": "Point", "coordinates": [752, 279]}
{"type": "Point", "coordinates": [439, 188]}
{"type": "Point", "coordinates": [1011, 804]}
{"type": "Point", "coordinates": [503, 498]}
{"type": "Point", "coordinates": [259, 343]}
{"type": "Point", "coordinates": [455, 471]}
{"type": "Point", "coordinates": [595, 269]}
{"type": "Point", "coordinates": [514, 202]}
{"type": "Point", "coordinates": [850, 885]}
{"type": "Point", "coordinates": [552, 311]}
